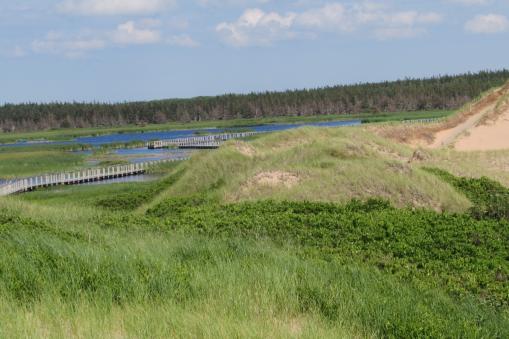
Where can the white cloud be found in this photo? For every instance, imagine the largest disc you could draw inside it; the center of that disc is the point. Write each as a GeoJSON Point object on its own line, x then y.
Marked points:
{"type": "Point", "coordinates": [490, 23]}
{"type": "Point", "coordinates": [140, 32]}
{"type": "Point", "coordinates": [410, 18]}
{"type": "Point", "coordinates": [330, 16]}
{"type": "Point", "coordinates": [114, 7]}
{"type": "Point", "coordinates": [256, 27]}
{"type": "Point", "coordinates": [133, 33]}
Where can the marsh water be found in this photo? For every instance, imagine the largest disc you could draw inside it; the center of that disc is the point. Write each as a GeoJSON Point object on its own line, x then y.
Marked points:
{"type": "Point", "coordinates": [173, 134]}
{"type": "Point", "coordinates": [143, 154]}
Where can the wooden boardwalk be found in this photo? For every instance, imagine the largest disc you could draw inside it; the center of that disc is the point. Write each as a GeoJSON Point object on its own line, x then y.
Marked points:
{"type": "Point", "coordinates": [423, 121]}
{"type": "Point", "coordinates": [78, 177]}
{"type": "Point", "coordinates": [100, 174]}
{"type": "Point", "coordinates": [203, 142]}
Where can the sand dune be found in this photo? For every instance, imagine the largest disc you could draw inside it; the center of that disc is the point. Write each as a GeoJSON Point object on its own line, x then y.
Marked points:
{"type": "Point", "coordinates": [492, 136]}
{"type": "Point", "coordinates": [486, 128]}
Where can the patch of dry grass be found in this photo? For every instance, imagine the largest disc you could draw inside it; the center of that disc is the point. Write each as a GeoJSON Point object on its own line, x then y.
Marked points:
{"type": "Point", "coordinates": [492, 164]}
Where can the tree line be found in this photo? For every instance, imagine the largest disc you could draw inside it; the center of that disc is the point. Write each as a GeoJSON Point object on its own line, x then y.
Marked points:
{"type": "Point", "coordinates": [441, 92]}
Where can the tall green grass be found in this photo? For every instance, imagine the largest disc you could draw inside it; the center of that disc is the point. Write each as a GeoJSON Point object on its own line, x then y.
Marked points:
{"type": "Point", "coordinates": [145, 284]}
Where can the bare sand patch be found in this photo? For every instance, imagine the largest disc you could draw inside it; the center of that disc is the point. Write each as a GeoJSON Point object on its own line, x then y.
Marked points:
{"type": "Point", "coordinates": [485, 110]}
{"type": "Point", "coordinates": [491, 136]}
{"type": "Point", "coordinates": [448, 136]}
{"type": "Point", "coordinates": [487, 130]}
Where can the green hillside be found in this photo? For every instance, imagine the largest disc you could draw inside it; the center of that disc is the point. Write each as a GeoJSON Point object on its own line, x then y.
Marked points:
{"type": "Point", "coordinates": [317, 165]}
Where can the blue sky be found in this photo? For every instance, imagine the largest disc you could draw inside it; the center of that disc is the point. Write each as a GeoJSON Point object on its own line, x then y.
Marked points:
{"type": "Point", "coordinates": [124, 50]}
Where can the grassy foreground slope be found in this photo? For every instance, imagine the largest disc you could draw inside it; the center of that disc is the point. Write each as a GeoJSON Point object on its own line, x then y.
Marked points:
{"type": "Point", "coordinates": [192, 268]}
{"type": "Point", "coordinates": [317, 165]}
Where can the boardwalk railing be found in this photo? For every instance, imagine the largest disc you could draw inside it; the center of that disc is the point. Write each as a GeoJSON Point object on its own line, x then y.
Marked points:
{"type": "Point", "coordinates": [422, 121]}
{"type": "Point", "coordinates": [78, 177]}
{"type": "Point", "coordinates": [206, 141]}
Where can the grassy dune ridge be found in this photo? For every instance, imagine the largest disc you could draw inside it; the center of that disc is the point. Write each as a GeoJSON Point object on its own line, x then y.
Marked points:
{"type": "Point", "coordinates": [316, 165]}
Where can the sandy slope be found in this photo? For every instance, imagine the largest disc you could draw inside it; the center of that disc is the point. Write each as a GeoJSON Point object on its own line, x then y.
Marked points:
{"type": "Point", "coordinates": [486, 129]}
{"type": "Point", "coordinates": [492, 136]}
{"type": "Point", "coordinates": [449, 136]}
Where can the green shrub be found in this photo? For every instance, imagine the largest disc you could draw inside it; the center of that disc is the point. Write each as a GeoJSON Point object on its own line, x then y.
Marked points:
{"type": "Point", "coordinates": [463, 255]}
{"type": "Point", "coordinates": [490, 198]}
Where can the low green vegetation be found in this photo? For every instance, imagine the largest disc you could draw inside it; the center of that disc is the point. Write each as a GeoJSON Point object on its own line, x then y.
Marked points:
{"type": "Point", "coordinates": [405, 116]}
{"type": "Point", "coordinates": [107, 162]}
{"type": "Point", "coordinates": [130, 200]}
{"type": "Point", "coordinates": [462, 255]}
{"type": "Point", "coordinates": [294, 268]}
{"type": "Point", "coordinates": [490, 199]}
